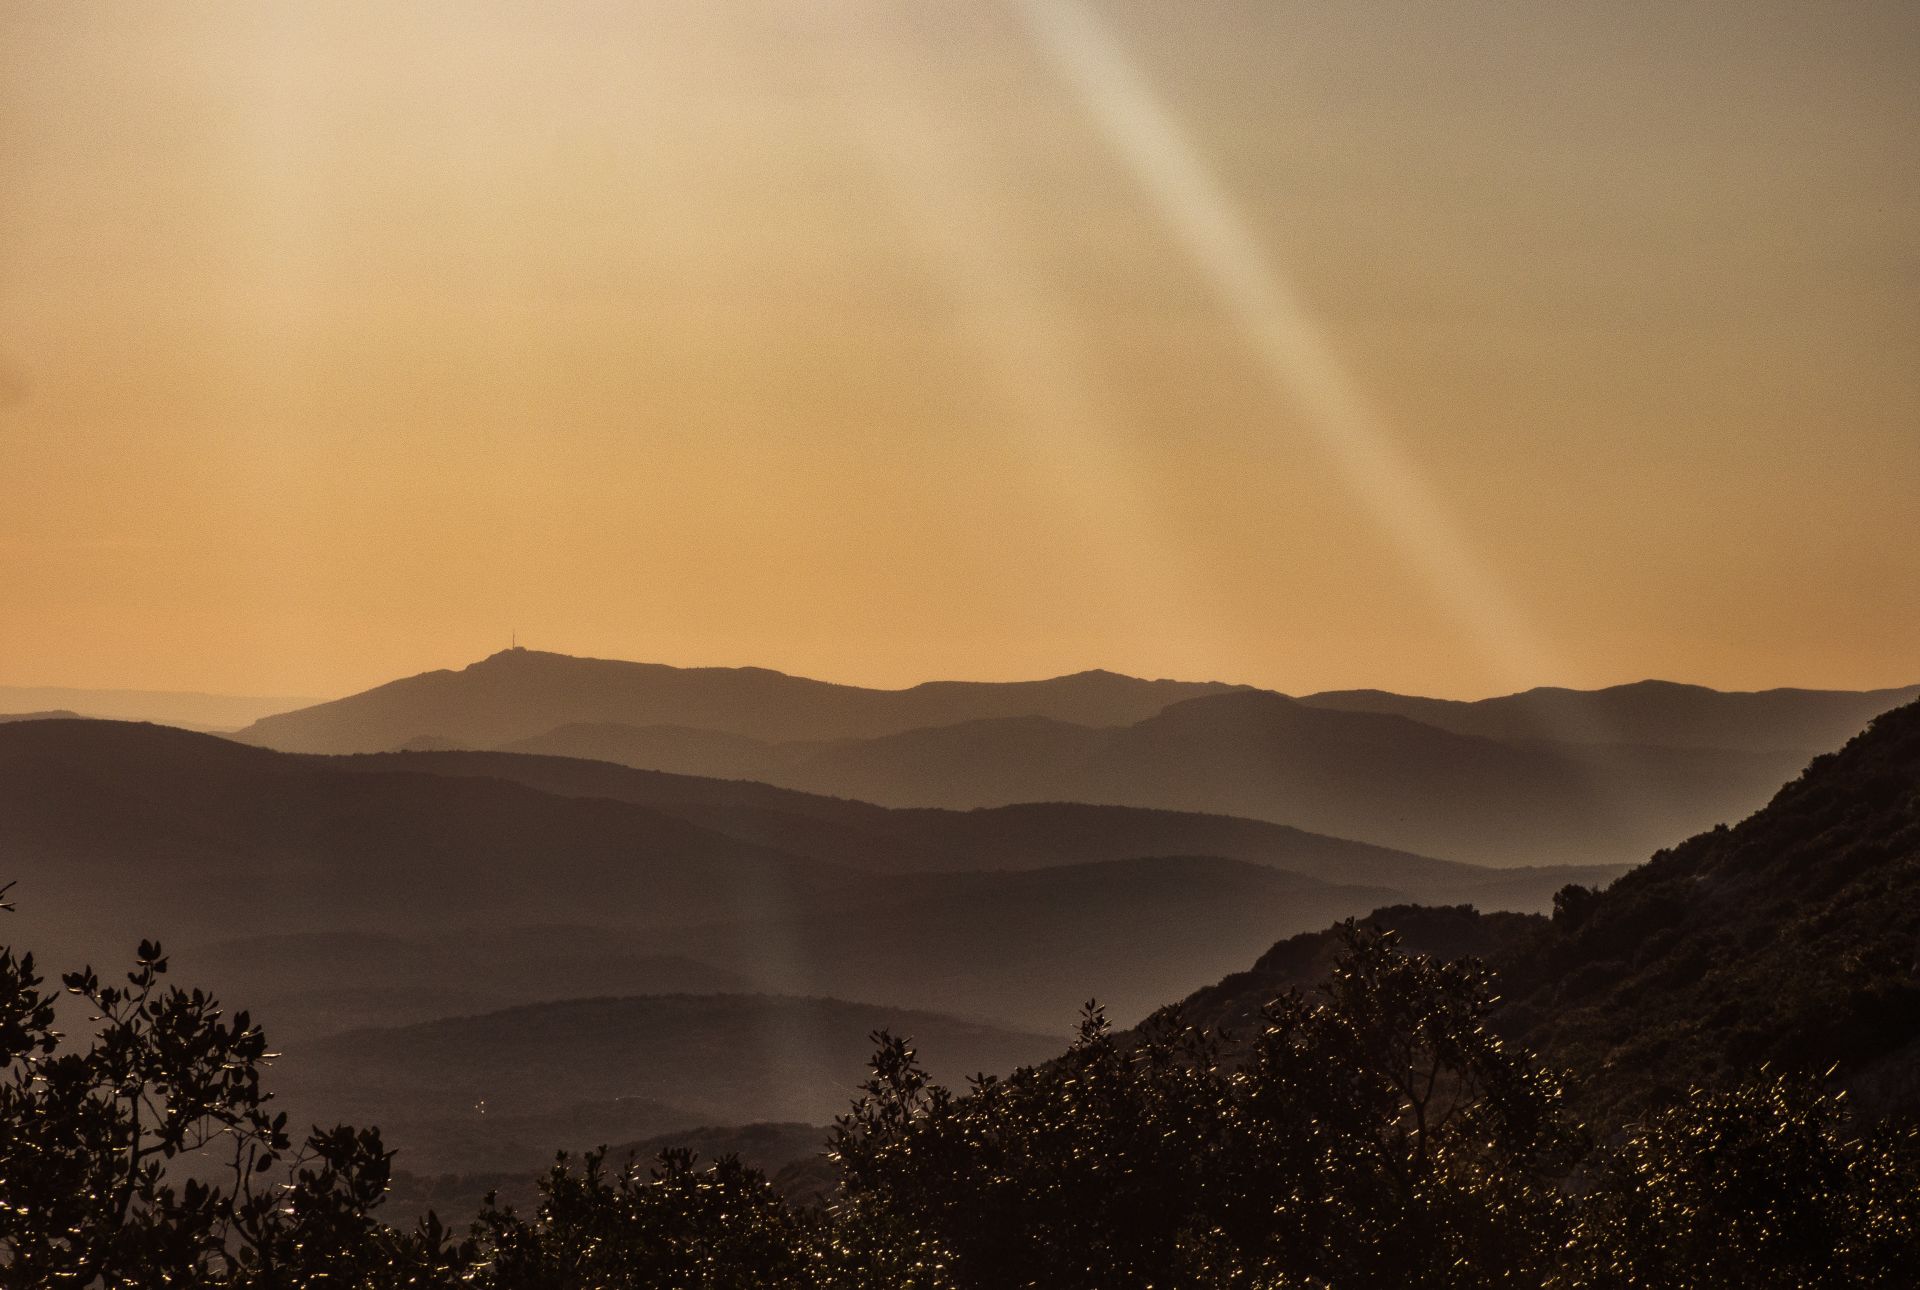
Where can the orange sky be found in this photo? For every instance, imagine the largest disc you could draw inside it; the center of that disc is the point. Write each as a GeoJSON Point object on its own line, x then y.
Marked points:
{"type": "Point", "coordinates": [338, 340]}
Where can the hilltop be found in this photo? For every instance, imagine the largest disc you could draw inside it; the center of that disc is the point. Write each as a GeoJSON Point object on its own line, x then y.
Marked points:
{"type": "Point", "coordinates": [1545, 777]}
{"type": "Point", "coordinates": [521, 693]}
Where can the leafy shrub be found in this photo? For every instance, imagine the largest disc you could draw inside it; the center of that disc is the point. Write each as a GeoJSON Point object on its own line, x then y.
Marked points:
{"type": "Point", "coordinates": [1379, 1135]}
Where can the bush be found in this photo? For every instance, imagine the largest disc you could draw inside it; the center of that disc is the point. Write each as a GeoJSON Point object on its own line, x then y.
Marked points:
{"type": "Point", "coordinates": [1378, 1136]}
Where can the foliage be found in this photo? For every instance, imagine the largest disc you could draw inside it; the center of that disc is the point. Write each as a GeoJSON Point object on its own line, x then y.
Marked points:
{"type": "Point", "coordinates": [1378, 1135]}
{"type": "Point", "coordinates": [97, 1145]}
{"type": "Point", "coordinates": [724, 1228]}
{"type": "Point", "coordinates": [1761, 1185]}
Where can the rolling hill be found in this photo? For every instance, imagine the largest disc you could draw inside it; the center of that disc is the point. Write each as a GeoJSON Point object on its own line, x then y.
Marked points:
{"type": "Point", "coordinates": [339, 889]}
{"type": "Point", "coordinates": [1031, 946]}
{"type": "Point", "coordinates": [1549, 776]}
{"type": "Point", "coordinates": [172, 707]}
{"type": "Point", "coordinates": [1383, 778]}
{"type": "Point", "coordinates": [504, 1089]}
{"type": "Point", "coordinates": [321, 983]}
{"type": "Point", "coordinates": [520, 693]}
{"type": "Point", "coordinates": [1019, 836]}
{"type": "Point", "coordinates": [117, 831]}
{"type": "Point", "coordinates": [1650, 713]}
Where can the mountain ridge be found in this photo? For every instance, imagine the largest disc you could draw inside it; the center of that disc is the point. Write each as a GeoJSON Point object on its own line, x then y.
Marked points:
{"type": "Point", "coordinates": [521, 693]}
{"type": "Point", "coordinates": [1652, 711]}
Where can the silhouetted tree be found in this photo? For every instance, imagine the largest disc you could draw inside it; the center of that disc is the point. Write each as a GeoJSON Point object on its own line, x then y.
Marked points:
{"type": "Point", "coordinates": [1378, 1135]}
{"type": "Point", "coordinates": [94, 1137]}
{"type": "Point", "coordinates": [673, 1225]}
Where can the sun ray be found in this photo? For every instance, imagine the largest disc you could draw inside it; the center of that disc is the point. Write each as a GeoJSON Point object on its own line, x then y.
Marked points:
{"type": "Point", "coordinates": [1254, 288]}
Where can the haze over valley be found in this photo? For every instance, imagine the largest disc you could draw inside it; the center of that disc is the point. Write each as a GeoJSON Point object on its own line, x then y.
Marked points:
{"type": "Point", "coordinates": [393, 879]}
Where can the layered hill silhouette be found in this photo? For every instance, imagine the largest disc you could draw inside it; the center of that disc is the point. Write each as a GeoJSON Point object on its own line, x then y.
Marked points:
{"type": "Point", "coordinates": [1651, 713]}
{"type": "Point", "coordinates": [319, 983]}
{"type": "Point", "coordinates": [427, 890]}
{"type": "Point", "coordinates": [404, 886]}
{"type": "Point", "coordinates": [1018, 836]}
{"type": "Point", "coordinates": [1031, 946]}
{"type": "Point", "coordinates": [520, 693]}
{"type": "Point", "coordinates": [1544, 777]}
{"type": "Point", "coordinates": [115, 827]}
{"type": "Point", "coordinates": [1384, 778]}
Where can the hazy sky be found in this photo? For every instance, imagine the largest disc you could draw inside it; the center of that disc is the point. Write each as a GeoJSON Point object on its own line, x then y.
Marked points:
{"type": "Point", "coordinates": [1447, 348]}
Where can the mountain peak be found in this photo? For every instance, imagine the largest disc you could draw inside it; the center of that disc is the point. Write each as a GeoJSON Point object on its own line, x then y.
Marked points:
{"type": "Point", "coordinates": [516, 654]}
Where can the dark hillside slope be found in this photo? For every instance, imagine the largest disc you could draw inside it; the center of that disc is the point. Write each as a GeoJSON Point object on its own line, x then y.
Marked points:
{"type": "Point", "coordinates": [518, 694]}
{"type": "Point", "coordinates": [684, 750]}
{"type": "Point", "coordinates": [1303, 962]}
{"type": "Point", "coordinates": [116, 830]}
{"type": "Point", "coordinates": [1790, 940]}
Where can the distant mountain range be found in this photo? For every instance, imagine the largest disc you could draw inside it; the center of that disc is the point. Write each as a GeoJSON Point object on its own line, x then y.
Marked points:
{"type": "Point", "coordinates": [408, 923]}
{"type": "Point", "coordinates": [1544, 777]}
{"type": "Point", "coordinates": [186, 708]}
{"type": "Point", "coordinates": [1650, 713]}
{"type": "Point", "coordinates": [518, 694]}
{"type": "Point", "coordinates": [1790, 940]}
